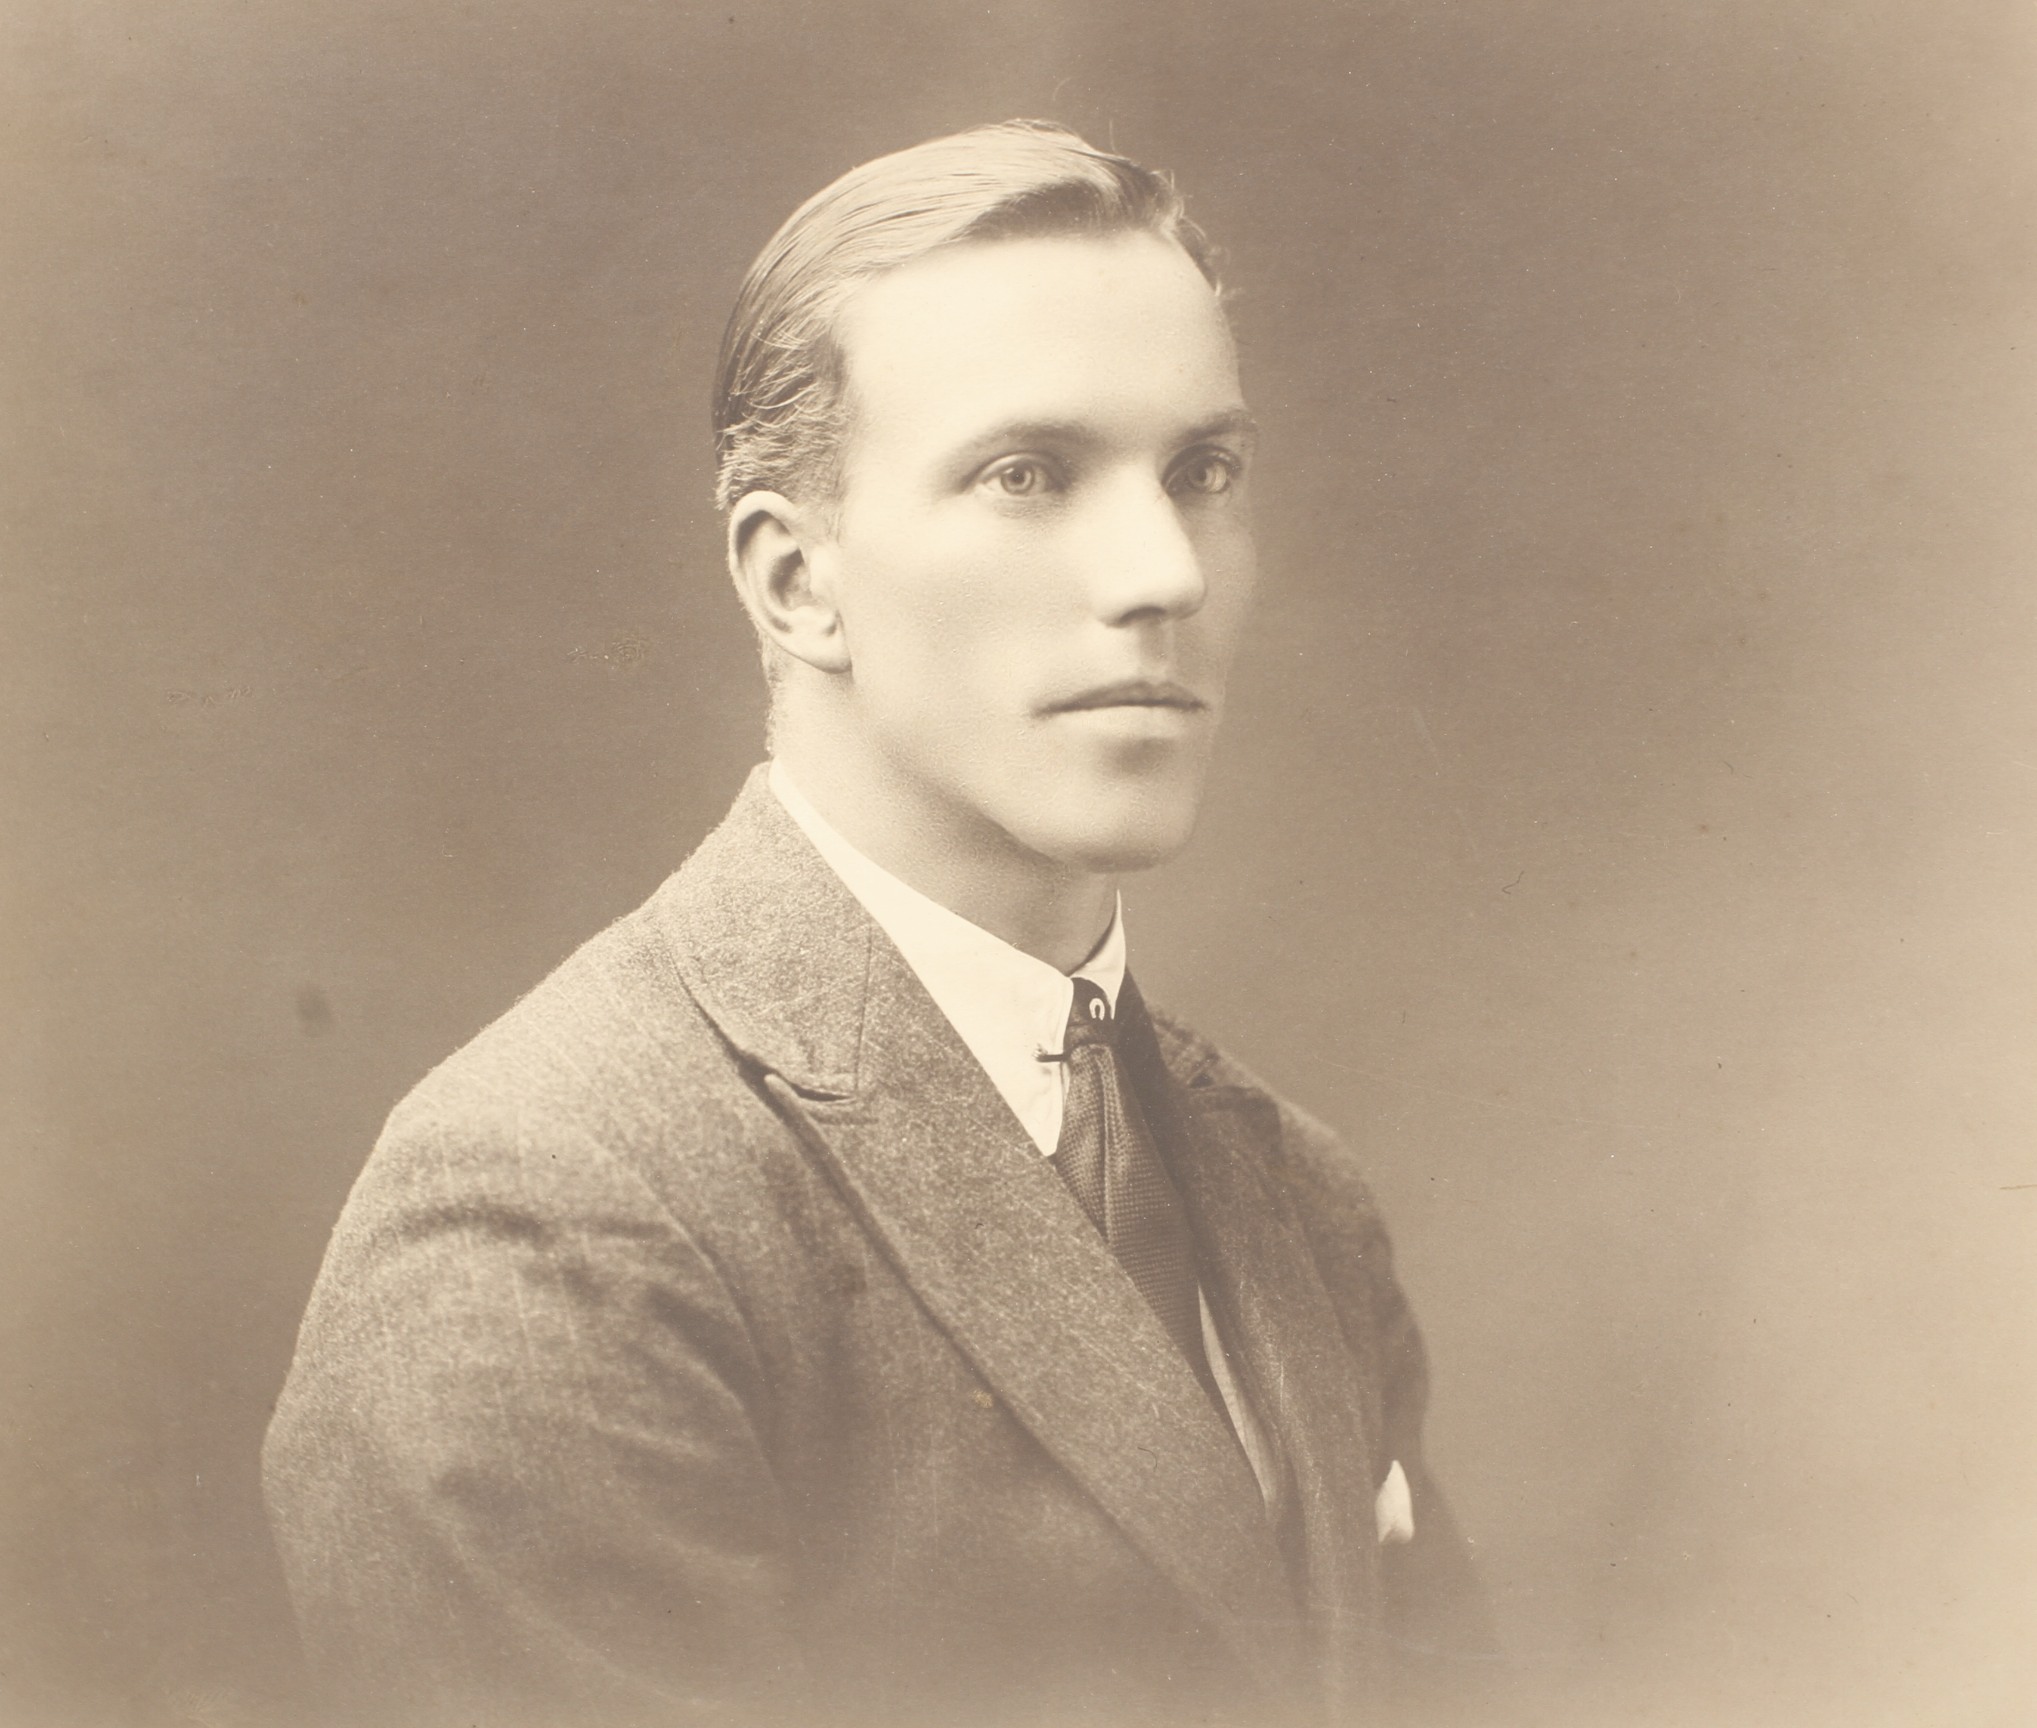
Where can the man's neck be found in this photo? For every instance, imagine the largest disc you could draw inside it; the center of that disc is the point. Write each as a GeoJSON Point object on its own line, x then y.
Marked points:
{"type": "Point", "coordinates": [1048, 910]}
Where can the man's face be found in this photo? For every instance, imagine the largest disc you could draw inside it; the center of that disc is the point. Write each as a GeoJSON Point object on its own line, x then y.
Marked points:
{"type": "Point", "coordinates": [1042, 553]}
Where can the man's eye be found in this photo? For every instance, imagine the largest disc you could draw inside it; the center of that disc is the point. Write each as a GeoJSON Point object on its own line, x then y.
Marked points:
{"type": "Point", "coordinates": [1019, 477]}
{"type": "Point", "coordinates": [1206, 473]}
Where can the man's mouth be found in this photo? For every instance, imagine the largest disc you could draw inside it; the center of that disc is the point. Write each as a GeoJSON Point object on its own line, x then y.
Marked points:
{"type": "Point", "coordinates": [1132, 693]}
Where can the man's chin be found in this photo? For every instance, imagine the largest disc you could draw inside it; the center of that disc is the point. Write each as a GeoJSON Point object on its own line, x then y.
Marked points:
{"type": "Point", "coordinates": [1115, 840]}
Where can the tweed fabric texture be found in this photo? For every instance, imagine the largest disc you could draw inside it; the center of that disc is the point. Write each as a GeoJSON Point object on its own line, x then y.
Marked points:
{"type": "Point", "coordinates": [707, 1341]}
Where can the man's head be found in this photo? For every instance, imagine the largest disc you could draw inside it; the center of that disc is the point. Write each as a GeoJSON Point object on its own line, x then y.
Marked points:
{"type": "Point", "coordinates": [983, 453]}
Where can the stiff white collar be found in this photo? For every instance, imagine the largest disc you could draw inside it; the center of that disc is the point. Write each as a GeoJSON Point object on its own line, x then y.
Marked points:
{"type": "Point", "coordinates": [1007, 1005]}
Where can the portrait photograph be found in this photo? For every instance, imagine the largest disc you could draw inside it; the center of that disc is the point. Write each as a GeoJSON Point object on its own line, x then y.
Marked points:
{"type": "Point", "coordinates": [1090, 864]}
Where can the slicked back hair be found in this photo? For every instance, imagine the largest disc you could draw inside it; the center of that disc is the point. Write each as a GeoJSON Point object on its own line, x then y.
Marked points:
{"type": "Point", "coordinates": [781, 412]}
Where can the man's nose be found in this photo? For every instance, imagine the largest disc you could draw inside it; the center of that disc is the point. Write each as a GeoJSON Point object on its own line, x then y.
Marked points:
{"type": "Point", "coordinates": [1147, 563]}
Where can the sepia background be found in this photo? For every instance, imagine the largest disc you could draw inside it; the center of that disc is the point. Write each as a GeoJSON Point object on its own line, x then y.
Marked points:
{"type": "Point", "coordinates": [1625, 832]}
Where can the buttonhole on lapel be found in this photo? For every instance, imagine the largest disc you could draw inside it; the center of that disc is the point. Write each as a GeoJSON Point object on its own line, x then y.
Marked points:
{"type": "Point", "coordinates": [824, 1103]}
{"type": "Point", "coordinates": [806, 1091]}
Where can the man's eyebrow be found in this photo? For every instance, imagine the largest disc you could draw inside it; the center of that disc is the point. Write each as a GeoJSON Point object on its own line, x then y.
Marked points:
{"type": "Point", "coordinates": [1018, 434]}
{"type": "Point", "coordinates": [1076, 434]}
{"type": "Point", "coordinates": [1231, 423]}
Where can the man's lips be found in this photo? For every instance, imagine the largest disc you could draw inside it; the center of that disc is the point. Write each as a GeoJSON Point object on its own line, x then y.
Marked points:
{"type": "Point", "coordinates": [1132, 693]}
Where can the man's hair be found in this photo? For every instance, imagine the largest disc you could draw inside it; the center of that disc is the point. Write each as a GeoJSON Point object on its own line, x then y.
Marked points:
{"type": "Point", "coordinates": [780, 402]}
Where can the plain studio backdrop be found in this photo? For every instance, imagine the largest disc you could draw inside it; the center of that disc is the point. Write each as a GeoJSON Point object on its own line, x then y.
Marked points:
{"type": "Point", "coordinates": [1623, 833]}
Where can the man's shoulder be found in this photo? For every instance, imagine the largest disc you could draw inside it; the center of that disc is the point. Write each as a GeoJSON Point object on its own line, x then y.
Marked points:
{"type": "Point", "coordinates": [606, 1072]}
{"type": "Point", "coordinates": [610, 1022]}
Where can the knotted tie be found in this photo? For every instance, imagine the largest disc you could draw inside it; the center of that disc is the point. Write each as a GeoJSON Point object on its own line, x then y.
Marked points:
{"type": "Point", "coordinates": [1107, 1156]}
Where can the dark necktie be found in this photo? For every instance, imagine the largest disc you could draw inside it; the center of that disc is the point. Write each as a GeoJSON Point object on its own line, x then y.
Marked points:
{"type": "Point", "coordinates": [1107, 1156]}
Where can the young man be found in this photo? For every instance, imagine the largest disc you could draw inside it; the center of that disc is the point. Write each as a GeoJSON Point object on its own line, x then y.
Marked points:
{"type": "Point", "coordinates": [834, 1296]}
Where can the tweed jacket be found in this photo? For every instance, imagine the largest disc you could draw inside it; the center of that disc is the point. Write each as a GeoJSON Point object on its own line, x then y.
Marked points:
{"type": "Point", "coordinates": [707, 1342]}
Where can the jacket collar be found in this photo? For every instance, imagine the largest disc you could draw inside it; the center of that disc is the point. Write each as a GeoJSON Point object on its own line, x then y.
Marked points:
{"type": "Point", "coordinates": [778, 952]}
{"type": "Point", "coordinates": [801, 982]}
{"type": "Point", "coordinates": [773, 947]}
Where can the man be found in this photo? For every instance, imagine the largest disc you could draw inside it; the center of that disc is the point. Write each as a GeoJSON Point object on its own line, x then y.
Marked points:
{"type": "Point", "coordinates": [834, 1296]}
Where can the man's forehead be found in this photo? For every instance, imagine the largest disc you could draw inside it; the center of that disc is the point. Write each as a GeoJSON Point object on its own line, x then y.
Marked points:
{"type": "Point", "coordinates": [1060, 334]}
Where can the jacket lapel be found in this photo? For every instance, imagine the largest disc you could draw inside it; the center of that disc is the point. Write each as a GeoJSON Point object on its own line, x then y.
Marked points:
{"type": "Point", "coordinates": [866, 1068]}
{"type": "Point", "coordinates": [1282, 1332]}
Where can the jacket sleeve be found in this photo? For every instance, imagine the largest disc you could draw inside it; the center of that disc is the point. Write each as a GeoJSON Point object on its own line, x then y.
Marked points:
{"type": "Point", "coordinates": [519, 1471]}
{"type": "Point", "coordinates": [1444, 1659]}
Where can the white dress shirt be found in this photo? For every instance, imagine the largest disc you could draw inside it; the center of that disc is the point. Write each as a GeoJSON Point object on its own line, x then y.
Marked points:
{"type": "Point", "coordinates": [1008, 1007]}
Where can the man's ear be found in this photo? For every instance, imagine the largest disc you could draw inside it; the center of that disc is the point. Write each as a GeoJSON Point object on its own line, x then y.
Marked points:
{"type": "Point", "coordinates": [777, 558]}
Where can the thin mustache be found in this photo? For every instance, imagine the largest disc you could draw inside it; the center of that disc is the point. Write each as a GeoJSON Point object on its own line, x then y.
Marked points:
{"type": "Point", "coordinates": [1132, 693]}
